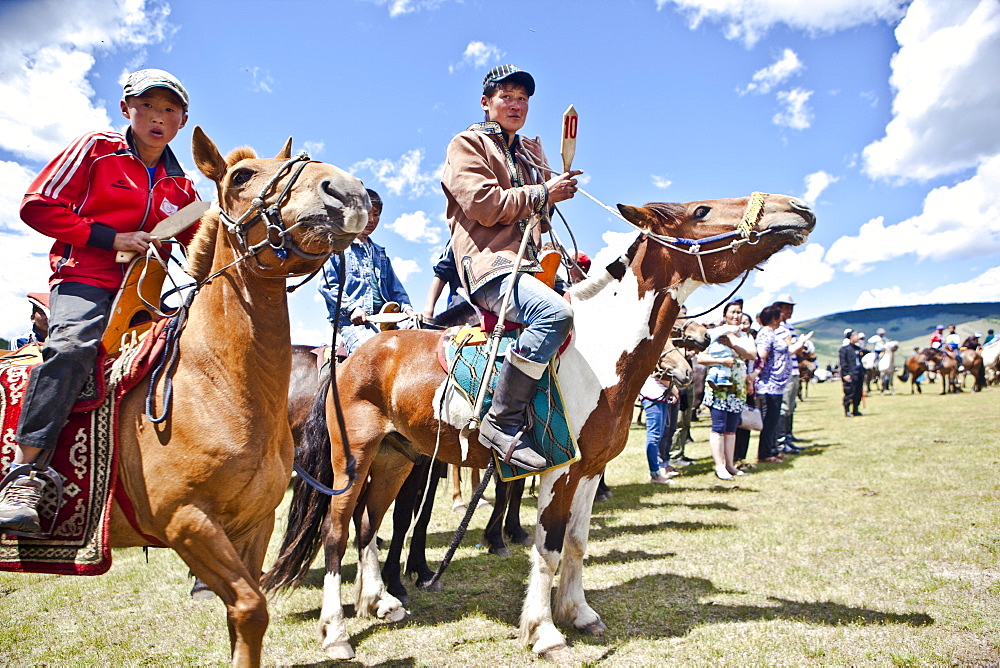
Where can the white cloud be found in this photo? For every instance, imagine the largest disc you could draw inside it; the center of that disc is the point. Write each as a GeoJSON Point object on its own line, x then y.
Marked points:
{"type": "Point", "coordinates": [304, 334]}
{"type": "Point", "coordinates": [261, 80]}
{"type": "Point", "coordinates": [775, 73]}
{"type": "Point", "coordinates": [816, 183]}
{"type": "Point", "coordinates": [405, 268]}
{"type": "Point", "coordinates": [416, 227]}
{"type": "Point", "coordinates": [789, 268]}
{"type": "Point", "coordinates": [750, 21]}
{"type": "Point", "coordinates": [661, 181]}
{"type": "Point", "coordinates": [946, 91]}
{"type": "Point", "coordinates": [956, 223]}
{"type": "Point", "coordinates": [313, 148]}
{"type": "Point", "coordinates": [47, 51]}
{"type": "Point", "coordinates": [402, 176]}
{"type": "Point", "coordinates": [478, 54]}
{"type": "Point", "coordinates": [984, 288]}
{"type": "Point", "coordinates": [401, 7]}
{"type": "Point", "coordinates": [26, 266]}
{"type": "Point", "coordinates": [796, 113]}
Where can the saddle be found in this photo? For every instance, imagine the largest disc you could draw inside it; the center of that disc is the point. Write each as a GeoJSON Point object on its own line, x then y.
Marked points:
{"type": "Point", "coordinates": [131, 313]}
{"type": "Point", "coordinates": [463, 356]}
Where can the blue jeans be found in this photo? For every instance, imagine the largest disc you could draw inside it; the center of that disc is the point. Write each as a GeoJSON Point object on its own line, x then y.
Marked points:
{"type": "Point", "coordinates": [660, 425]}
{"type": "Point", "coordinates": [547, 317]}
{"type": "Point", "coordinates": [78, 316]}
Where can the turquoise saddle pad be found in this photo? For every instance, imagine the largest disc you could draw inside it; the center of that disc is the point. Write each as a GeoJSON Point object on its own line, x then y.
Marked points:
{"type": "Point", "coordinates": [553, 436]}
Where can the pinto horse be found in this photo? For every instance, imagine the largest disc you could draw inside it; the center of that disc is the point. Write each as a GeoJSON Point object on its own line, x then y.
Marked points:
{"type": "Point", "coordinates": [396, 401]}
{"type": "Point", "coordinates": [207, 479]}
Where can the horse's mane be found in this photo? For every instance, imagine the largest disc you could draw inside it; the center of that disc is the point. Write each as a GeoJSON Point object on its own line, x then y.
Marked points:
{"type": "Point", "coordinates": [595, 283]}
{"type": "Point", "coordinates": [202, 247]}
{"type": "Point", "coordinates": [669, 210]}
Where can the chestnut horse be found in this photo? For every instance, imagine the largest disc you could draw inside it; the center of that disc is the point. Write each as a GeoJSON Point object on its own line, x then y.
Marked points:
{"type": "Point", "coordinates": [931, 360]}
{"type": "Point", "coordinates": [206, 480]}
{"type": "Point", "coordinates": [397, 401]}
{"type": "Point", "coordinates": [972, 362]}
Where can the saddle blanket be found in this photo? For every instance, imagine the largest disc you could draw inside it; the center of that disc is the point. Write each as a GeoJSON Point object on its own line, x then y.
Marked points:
{"type": "Point", "coordinates": [85, 459]}
{"type": "Point", "coordinates": [550, 428]}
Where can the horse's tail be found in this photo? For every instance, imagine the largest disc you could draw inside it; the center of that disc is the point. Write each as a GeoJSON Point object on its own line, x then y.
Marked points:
{"type": "Point", "coordinates": [303, 534]}
{"type": "Point", "coordinates": [905, 376]}
{"type": "Point", "coordinates": [981, 376]}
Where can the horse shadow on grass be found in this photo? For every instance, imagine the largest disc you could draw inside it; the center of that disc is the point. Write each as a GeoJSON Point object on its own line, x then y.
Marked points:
{"type": "Point", "coordinates": [673, 605]}
{"type": "Point", "coordinates": [661, 605]}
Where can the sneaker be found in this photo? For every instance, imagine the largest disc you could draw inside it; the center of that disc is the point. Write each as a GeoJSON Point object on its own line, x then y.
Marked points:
{"type": "Point", "coordinates": [19, 505]}
{"type": "Point", "coordinates": [660, 479]}
{"type": "Point", "coordinates": [682, 462]}
{"type": "Point", "coordinates": [669, 471]}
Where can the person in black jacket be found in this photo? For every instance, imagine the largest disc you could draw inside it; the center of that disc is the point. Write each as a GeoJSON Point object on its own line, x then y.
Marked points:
{"type": "Point", "coordinates": [852, 373]}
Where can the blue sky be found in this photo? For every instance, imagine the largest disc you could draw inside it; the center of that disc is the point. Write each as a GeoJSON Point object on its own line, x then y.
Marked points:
{"type": "Point", "coordinates": [884, 114]}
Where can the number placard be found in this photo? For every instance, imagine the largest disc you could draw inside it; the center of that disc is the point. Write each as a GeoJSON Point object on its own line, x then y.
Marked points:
{"type": "Point", "coordinates": [571, 120]}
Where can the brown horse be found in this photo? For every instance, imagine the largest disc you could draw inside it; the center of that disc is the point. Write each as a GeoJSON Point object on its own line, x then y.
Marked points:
{"type": "Point", "coordinates": [931, 360]}
{"type": "Point", "coordinates": [972, 362]}
{"type": "Point", "coordinates": [807, 369]}
{"type": "Point", "coordinates": [396, 400]}
{"type": "Point", "coordinates": [206, 481]}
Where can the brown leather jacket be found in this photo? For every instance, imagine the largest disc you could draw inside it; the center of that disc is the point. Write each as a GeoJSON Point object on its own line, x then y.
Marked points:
{"type": "Point", "coordinates": [492, 193]}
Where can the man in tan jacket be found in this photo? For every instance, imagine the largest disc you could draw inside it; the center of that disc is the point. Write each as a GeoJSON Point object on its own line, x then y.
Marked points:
{"type": "Point", "coordinates": [495, 183]}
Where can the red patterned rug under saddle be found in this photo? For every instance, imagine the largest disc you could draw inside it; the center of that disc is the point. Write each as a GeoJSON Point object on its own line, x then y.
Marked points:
{"type": "Point", "coordinates": [86, 459]}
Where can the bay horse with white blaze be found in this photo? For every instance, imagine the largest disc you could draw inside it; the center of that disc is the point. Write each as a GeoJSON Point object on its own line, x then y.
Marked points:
{"type": "Point", "coordinates": [397, 402]}
{"type": "Point", "coordinates": [206, 480]}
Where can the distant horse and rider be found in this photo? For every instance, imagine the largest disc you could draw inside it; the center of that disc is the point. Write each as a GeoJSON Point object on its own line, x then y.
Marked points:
{"type": "Point", "coordinates": [881, 369]}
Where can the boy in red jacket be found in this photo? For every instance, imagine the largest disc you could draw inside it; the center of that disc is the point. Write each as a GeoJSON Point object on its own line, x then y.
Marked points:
{"type": "Point", "coordinates": [101, 195]}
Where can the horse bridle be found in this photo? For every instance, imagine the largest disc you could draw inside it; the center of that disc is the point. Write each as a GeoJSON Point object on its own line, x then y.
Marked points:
{"type": "Point", "coordinates": [679, 336]}
{"type": "Point", "coordinates": [278, 237]}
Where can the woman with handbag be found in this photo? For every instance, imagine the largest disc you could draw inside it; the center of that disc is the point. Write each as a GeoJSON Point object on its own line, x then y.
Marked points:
{"type": "Point", "coordinates": [726, 403]}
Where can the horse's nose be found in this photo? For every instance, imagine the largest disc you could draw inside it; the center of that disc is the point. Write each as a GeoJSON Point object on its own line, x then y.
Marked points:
{"type": "Point", "coordinates": [804, 210]}
{"type": "Point", "coordinates": [347, 195]}
{"type": "Point", "coordinates": [343, 191]}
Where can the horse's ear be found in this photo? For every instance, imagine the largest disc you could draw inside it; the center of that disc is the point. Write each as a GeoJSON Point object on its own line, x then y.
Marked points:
{"type": "Point", "coordinates": [286, 152]}
{"type": "Point", "coordinates": [206, 156]}
{"type": "Point", "coordinates": [635, 215]}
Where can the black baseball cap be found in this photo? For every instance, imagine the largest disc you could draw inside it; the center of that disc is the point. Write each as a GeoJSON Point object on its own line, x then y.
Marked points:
{"type": "Point", "coordinates": [512, 72]}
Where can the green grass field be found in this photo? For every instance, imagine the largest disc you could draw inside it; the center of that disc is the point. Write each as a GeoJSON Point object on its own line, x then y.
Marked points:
{"type": "Point", "coordinates": [877, 546]}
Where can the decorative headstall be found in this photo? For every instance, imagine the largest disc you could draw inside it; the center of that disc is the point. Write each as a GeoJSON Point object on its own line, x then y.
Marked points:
{"type": "Point", "coordinates": [278, 237]}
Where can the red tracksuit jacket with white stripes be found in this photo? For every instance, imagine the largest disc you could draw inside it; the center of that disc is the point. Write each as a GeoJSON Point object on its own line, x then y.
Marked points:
{"type": "Point", "coordinates": [94, 189]}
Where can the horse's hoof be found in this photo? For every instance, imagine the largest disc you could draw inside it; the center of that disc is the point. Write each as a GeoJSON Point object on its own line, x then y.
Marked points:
{"type": "Point", "coordinates": [200, 591]}
{"type": "Point", "coordinates": [339, 651]}
{"type": "Point", "coordinates": [458, 507]}
{"type": "Point", "coordinates": [500, 551]}
{"type": "Point", "coordinates": [561, 654]}
{"type": "Point", "coordinates": [427, 585]}
{"type": "Point", "coordinates": [596, 628]}
{"type": "Point", "coordinates": [483, 503]}
{"type": "Point", "coordinates": [523, 538]}
{"type": "Point", "coordinates": [395, 615]}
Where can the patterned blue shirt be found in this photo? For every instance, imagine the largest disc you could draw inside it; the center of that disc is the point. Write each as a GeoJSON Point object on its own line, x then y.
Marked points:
{"type": "Point", "coordinates": [774, 373]}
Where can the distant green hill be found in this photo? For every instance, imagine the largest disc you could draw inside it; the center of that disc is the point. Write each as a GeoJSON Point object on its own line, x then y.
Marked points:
{"type": "Point", "coordinates": [910, 325]}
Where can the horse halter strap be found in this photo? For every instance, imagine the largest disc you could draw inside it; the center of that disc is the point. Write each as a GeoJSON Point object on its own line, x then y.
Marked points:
{"type": "Point", "coordinates": [278, 236]}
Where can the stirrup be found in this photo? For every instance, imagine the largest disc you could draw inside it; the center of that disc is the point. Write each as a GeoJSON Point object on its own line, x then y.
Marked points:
{"type": "Point", "coordinates": [49, 474]}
